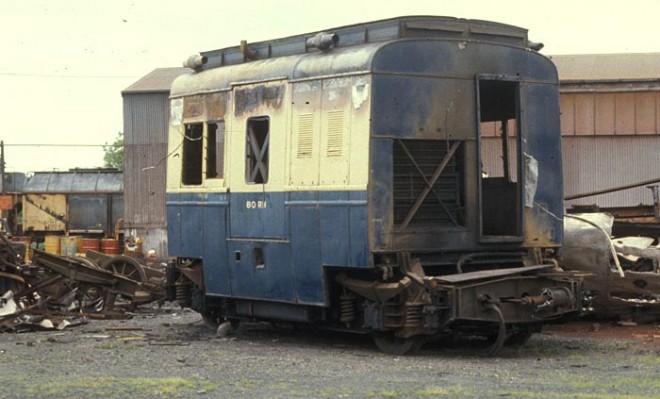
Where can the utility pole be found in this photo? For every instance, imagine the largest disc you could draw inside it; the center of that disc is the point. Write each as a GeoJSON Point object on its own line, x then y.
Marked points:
{"type": "Point", "coordinates": [2, 167]}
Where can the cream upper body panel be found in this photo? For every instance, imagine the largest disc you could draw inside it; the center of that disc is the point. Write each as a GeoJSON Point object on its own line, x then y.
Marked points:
{"type": "Point", "coordinates": [317, 127]}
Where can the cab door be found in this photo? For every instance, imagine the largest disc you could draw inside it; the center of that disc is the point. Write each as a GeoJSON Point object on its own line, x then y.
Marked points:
{"type": "Point", "coordinates": [259, 251]}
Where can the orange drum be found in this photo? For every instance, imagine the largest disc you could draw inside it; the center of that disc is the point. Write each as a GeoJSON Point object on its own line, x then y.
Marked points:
{"type": "Point", "coordinates": [110, 246]}
{"type": "Point", "coordinates": [90, 244]}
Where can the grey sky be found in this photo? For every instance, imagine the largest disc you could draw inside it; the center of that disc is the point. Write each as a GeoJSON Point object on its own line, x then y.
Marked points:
{"type": "Point", "coordinates": [65, 62]}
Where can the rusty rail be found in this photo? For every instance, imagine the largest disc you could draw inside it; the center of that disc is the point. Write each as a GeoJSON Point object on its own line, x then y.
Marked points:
{"type": "Point", "coordinates": [611, 190]}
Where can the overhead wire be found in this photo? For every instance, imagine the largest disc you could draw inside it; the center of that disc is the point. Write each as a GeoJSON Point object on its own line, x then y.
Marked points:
{"type": "Point", "coordinates": [43, 75]}
{"type": "Point", "coordinates": [60, 145]}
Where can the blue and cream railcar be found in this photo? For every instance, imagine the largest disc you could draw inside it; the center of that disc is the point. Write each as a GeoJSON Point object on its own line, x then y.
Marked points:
{"type": "Point", "coordinates": [400, 177]}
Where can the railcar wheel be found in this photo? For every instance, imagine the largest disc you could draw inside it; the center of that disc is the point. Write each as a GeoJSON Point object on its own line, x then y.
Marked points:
{"type": "Point", "coordinates": [125, 266]}
{"type": "Point", "coordinates": [388, 343]}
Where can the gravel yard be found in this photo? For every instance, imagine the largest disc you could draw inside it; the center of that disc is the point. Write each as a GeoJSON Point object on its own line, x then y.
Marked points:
{"type": "Point", "coordinates": [170, 353]}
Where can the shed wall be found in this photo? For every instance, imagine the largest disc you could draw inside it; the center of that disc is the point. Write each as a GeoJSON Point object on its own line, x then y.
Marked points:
{"type": "Point", "coordinates": [610, 139]}
{"type": "Point", "coordinates": [146, 117]}
{"type": "Point", "coordinates": [601, 162]}
{"type": "Point", "coordinates": [620, 113]}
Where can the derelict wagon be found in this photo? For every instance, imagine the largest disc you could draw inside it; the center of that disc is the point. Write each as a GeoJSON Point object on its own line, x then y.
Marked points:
{"type": "Point", "coordinates": [400, 177]}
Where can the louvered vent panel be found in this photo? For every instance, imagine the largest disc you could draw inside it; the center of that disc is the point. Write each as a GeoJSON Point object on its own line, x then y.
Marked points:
{"type": "Point", "coordinates": [335, 123]}
{"type": "Point", "coordinates": [305, 135]}
{"type": "Point", "coordinates": [441, 207]}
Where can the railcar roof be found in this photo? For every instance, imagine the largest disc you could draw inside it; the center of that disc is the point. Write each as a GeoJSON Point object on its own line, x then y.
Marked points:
{"type": "Point", "coordinates": [292, 58]}
{"type": "Point", "coordinates": [372, 32]}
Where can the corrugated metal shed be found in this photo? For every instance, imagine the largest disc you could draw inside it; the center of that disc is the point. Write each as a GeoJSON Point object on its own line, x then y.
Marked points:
{"type": "Point", "coordinates": [610, 113]}
{"type": "Point", "coordinates": [602, 162]}
{"type": "Point", "coordinates": [610, 105]}
{"type": "Point", "coordinates": [146, 119]}
{"type": "Point", "coordinates": [607, 67]}
{"type": "Point", "coordinates": [76, 181]}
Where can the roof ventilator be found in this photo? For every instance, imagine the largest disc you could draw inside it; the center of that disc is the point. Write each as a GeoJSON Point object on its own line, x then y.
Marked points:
{"type": "Point", "coordinates": [536, 46]}
{"type": "Point", "coordinates": [195, 62]}
{"type": "Point", "coordinates": [248, 54]}
{"type": "Point", "coordinates": [323, 41]}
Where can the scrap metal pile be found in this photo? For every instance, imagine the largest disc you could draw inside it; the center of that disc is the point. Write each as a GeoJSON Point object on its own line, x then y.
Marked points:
{"type": "Point", "coordinates": [54, 291]}
{"type": "Point", "coordinates": [624, 272]}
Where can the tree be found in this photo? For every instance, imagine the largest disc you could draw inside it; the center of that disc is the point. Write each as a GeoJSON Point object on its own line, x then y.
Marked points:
{"type": "Point", "coordinates": [113, 156]}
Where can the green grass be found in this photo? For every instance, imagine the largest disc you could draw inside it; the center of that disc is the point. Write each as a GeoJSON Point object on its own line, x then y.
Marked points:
{"type": "Point", "coordinates": [111, 345]}
{"type": "Point", "coordinates": [114, 387]}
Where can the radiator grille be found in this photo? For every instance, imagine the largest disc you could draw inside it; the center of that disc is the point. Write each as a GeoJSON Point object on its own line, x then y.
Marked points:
{"type": "Point", "coordinates": [443, 206]}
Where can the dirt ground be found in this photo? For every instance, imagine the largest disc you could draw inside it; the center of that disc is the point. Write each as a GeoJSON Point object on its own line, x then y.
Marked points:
{"type": "Point", "coordinates": [640, 335]}
{"type": "Point", "coordinates": [170, 353]}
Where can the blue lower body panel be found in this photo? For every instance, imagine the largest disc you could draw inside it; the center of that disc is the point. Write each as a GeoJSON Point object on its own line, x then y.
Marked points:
{"type": "Point", "coordinates": [196, 228]}
{"type": "Point", "coordinates": [278, 251]}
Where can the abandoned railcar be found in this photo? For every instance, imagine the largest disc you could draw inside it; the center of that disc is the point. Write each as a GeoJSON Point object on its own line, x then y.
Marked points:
{"type": "Point", "coordinates": [399, 177]}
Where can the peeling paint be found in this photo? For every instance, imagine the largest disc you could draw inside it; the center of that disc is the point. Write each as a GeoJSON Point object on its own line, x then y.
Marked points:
{"type": "Point", "coordinates": [360, 94]}
{"type": "Point", "coordinates": [531, 179]}
{"type": "Point", "coordinates": [176, 112]}
{"type": "Point", "coordinates": [306, 87]}
{"type": "Point", "coordinates": [248, 98]}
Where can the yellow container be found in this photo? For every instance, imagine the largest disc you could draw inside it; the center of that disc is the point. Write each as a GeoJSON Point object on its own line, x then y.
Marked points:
{"type": "Point", "coordinates": [79, 243]}
{"type": "Point", "coordinates": [52, 244]}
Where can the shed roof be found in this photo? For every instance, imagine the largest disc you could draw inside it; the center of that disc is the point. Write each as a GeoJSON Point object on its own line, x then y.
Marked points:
{"type": "Point", "coordinates": [76, 181]}
{"type": "Point", "coordinates": [608, 67]}
{"type": "Point", "coordinates": [158, 80]}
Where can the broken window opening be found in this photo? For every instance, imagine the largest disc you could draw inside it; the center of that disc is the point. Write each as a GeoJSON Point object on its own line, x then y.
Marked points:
{"type": "Point", "coordinates": [501, 160]}
{"type": "Point", "coordinates": [256, 150]}
{"type": "Point", "coordinates": [191, 161]}
{"type": "Point", "coordinates": [215, 149]}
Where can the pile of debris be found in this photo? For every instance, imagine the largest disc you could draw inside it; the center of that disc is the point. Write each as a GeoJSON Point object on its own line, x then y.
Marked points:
{"type": "Point", "coordinates": [623, 273]}
{"type": "Point", "coordinates": [53, 292]}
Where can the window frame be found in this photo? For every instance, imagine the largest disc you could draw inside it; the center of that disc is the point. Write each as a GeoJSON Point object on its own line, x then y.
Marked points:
{"type": "Point", "coordinates": [191, 165]}
{"type": "Point", "coordinates": [257, 149]}
{"type": "Point", "coordinates": [215, 149]}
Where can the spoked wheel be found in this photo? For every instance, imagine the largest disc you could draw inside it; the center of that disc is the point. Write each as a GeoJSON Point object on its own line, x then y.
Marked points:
{"type": "Point", "coordinates": [393, 345]}
{"type": "Point", "coordinates": [125, 266]}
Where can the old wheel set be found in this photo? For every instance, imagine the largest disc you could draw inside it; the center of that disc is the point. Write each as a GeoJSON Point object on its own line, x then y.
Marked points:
{"type": "Point", "coordinates": [99, 283]}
